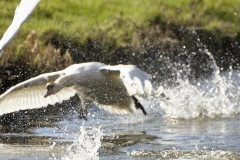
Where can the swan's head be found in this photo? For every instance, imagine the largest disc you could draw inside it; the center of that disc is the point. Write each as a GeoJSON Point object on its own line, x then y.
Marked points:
{"type": "Point", "coordinates": [51, 89]}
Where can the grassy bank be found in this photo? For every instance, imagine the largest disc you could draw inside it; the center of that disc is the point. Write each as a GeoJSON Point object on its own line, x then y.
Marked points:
{"type": "Point", "coordinates": [119, 19]}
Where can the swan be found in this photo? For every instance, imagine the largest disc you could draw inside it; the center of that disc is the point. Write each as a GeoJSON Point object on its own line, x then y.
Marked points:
{"type": "Point", "coordinates": [114, 88]}
{"type": "Point", "coordinates": [22, 13]}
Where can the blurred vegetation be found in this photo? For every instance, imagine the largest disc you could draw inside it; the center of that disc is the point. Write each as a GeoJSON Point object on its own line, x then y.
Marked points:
{"type": "Point", "coordinates": [118, 20]}
{"type": "Point", "coordinates": [59, 33]}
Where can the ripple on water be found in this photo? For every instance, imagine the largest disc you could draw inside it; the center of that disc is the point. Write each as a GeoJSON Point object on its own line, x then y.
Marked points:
{"type": "Point", "coordinates": [181, 154]}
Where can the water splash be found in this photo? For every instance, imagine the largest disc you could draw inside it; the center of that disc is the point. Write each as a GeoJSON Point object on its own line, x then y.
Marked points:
{"type": "Point", "coordinates": [221, 97]}
{"type": "Point", "coordinates": [87, 145]}
{"type": "Point", "coordinates": [216, 96]}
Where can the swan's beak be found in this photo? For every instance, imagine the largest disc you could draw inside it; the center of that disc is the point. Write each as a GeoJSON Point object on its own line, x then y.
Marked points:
{"type": "Point", "coordinates": [49, 88]}
{"type": "Point", "coordinates": [48, 93]}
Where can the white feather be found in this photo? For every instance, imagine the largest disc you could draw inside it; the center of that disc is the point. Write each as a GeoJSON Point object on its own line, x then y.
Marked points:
{"type": "Point", "coordinates": [30, 94]}
{"type": "Point", "coordinates": [139, 85]}
{"type": "Point", "coordinates": [148, 87]}
{"type": "Point", "coordinates": [22, 13]}
{"type": "Point", "coordinates": [136, 81]}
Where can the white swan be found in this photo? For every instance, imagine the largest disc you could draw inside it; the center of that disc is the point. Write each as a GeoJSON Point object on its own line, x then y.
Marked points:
{"type": "Point", "coordinates": [112, 87]}
{"type": "Point", "coordinates": [22, 12]}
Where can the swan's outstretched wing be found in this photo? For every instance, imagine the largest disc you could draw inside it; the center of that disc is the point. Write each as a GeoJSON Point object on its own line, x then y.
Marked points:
{"type": "Point", "coordinates": [135, 80]}
{"type": "Point", "coordinates": [30, 94]}
{"type": "Point", "coordinates": [23, 11]}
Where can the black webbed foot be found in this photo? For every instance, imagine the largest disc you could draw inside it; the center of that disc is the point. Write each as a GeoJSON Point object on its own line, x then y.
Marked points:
{"type": "Point", "coordinates": [139, 105]}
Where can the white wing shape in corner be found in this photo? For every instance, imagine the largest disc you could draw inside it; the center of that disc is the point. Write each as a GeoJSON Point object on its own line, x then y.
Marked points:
{"type": "Point", "coordinates": [22, 12]}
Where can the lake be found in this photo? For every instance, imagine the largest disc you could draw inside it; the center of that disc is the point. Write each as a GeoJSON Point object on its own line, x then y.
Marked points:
{"type": "Point", "coordinates": [200, 121]}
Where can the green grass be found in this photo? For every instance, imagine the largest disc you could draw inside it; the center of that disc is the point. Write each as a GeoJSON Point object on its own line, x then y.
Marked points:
{"type": "Point", "coordinates": [220, 15]}
{"type": "Point", "coordinates": [120, 18]}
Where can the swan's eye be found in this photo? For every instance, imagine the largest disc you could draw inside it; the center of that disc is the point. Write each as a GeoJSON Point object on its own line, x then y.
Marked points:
{"type": "Point", "coordinates": [50, 87]}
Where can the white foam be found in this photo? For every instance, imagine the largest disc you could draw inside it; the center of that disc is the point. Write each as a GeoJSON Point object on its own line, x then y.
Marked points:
{"type": "Point", "coordinates": [215, 99]}
{"type": "Point", "coordinates": [216, 96]}
{"type": "Point", "coordinates": [87, 145]}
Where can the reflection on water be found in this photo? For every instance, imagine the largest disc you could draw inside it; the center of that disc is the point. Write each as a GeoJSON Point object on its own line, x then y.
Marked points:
{"type": "Point", "coordinates": [203, 122]}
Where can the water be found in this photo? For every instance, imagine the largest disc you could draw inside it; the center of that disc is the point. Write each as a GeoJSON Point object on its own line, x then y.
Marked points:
{"type": "Point", "coordinates": [201, 122]}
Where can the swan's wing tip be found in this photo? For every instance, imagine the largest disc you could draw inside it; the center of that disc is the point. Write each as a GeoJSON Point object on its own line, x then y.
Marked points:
{"type": "Point", "coordinates": [32, 98]}
{"type": "Point", "coordinates": [159, 91]}
{"type": "Point", "coordinates": [22, 13]}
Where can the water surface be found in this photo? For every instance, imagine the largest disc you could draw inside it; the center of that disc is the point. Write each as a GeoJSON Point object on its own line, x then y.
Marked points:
{"type": "Point", "coordinates": [201, 123]}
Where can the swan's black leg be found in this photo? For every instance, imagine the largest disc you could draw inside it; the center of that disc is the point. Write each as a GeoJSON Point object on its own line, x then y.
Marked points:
{"type": "Point", "coordinates": [139, 105]}
{"type": "Point", "coordinates": [82, 113]}
{"type": "Point", "coordinates": [83, 109]}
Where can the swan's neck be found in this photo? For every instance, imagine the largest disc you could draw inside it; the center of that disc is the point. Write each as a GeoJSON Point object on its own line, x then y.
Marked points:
{"type": "Point", "coordinates": [65, 81]}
